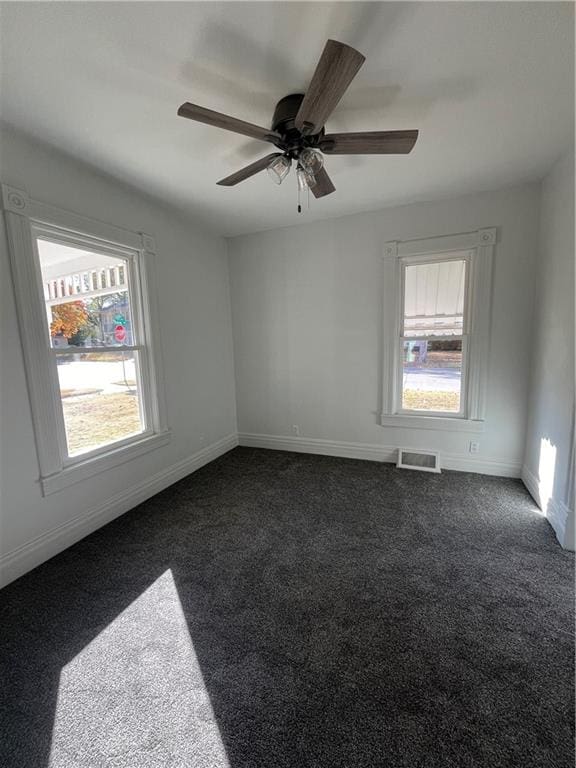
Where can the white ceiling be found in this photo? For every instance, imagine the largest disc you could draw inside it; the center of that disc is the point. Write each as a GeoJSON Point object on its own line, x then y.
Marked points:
{"type": "Point", "coordinates": [489, 86]}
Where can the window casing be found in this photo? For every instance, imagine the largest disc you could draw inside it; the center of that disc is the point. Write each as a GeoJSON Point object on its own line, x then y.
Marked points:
{"type": "Point", "coordinates": [32, 228]}
{"type": "Point", "coordinates": [450, 319]}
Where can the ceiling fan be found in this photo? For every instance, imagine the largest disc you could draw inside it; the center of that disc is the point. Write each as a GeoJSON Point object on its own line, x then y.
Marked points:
{"type": "Point", "coordinates": [298, 127]}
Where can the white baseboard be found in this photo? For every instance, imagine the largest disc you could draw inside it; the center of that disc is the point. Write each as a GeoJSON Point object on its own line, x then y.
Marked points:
{"type": "Point", "coordinates": [464, 462]}
{"type": "Point", "coordinates": [38, 550]}
{"type": "Point", "coordinates": [459, 462]}
{"type": "Point", "coordinates": [558, 518]}
{"type": "Point", "coordinates": [531, 482]}
{"type": "Point", "coordinates": [324, 447]}
{"type": "Point", "coordinates": [556, 511]}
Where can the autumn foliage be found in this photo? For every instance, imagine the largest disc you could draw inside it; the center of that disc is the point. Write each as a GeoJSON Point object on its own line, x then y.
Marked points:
{"type": "Point", "coordinates": [68, 318]}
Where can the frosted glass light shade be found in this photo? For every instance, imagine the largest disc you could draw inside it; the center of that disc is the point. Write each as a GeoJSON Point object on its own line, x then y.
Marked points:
{"type": "Point", "coordinates": [279, 168]}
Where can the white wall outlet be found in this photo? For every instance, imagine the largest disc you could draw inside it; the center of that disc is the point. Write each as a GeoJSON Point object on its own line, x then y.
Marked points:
{"type": "Point", "coordinates": [474, 447]}
{"type": "Point", "coordinates": [202, 439]}
{"type": "Point", "coordinates": [296, 430]}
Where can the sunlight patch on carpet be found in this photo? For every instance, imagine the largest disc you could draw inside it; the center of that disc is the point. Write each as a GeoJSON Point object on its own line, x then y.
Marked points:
{"type": "Point", "coordinates": [135, 695]}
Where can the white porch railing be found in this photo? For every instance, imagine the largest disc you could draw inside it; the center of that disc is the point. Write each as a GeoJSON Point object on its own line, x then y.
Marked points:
{"type": "Point", "coordinates": [85, 285]}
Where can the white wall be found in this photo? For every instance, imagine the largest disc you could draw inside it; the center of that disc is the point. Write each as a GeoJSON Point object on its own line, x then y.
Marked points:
{"type": "Point", "coordinates": [306, 309]}
{"type": "Point", "coordinates": [549, 455]}
{"type": "Point", "coordinates": [196, 349]}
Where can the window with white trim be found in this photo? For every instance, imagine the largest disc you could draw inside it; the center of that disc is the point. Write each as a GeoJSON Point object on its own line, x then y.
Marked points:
{"type": "Point", "coordinates": [436, 331]}
{"type": "Point", "coordinates": [92, 300]}
{"type": "Point", "coordinates": [84, 294]}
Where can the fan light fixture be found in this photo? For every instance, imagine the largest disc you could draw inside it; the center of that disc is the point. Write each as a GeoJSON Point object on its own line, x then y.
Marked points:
{"type": "Point", "coordinates": [279, 168]}
{"type": "Point", "coordinates": [298, 127]}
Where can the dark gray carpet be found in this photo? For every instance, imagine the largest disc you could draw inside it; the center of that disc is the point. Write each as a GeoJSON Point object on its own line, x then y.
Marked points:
{"type": "Point", "coordinates": [278, 610]}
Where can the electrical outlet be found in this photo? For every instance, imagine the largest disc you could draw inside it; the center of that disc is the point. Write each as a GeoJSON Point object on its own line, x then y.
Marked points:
{"type": "Point", "coordinates": [474, 447]}
{"type": "Point", "coordinates": [296, 430]}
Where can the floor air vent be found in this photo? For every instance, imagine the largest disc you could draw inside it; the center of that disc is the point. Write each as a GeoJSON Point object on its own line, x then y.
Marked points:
{"type": "Point", "coordinates": [425, 461]}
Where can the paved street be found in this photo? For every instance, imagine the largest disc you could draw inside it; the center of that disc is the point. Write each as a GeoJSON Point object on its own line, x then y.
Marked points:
{"type": "Point", "coordinates": [83, 374]}
{"type": "Point", "coordinates": [432, 380]}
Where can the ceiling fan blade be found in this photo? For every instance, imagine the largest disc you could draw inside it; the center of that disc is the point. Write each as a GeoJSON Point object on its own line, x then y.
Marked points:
{"type": "Point", "coordinates": [323, 184]}
{"type": "Point", "coordinates": [369, 143]}
{"type": "Point", "coordinates": [219, 120]}
{"type": "Point", "coordinates": [248, 171]}
{"type": "Point", "coordinates": [336, 69]}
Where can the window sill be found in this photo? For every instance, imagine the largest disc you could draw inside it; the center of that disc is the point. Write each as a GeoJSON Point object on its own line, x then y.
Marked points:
{"type": "Point", "coordinates": [444, 423]}
{"type": "Point", "coordinates": [114, 458]}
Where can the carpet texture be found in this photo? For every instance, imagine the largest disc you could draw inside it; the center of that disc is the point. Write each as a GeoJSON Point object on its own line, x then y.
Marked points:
{"type": "Point", "coordinates": [279, 610]}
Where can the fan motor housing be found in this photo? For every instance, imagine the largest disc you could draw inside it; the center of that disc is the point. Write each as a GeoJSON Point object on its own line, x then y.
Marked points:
{"type": "Point", "coordinates": [283, 123]}
{"type": "Point", "coordinates": [285, 112]}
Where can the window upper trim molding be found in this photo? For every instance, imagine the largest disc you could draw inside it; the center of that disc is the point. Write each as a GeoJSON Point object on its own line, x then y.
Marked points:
{"type": "Point", "coordinates": [480, 244]}
{"type": "Point", "coordinates": [442, 244]}
{"type": "Point", "coordinates": [24, 218]}
{"type": "Point", "coordinates": [17, 201]}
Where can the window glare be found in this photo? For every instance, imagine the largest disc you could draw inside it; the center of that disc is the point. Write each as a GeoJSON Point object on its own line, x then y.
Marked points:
{"type": "Point", "coordinates": [434, 298]}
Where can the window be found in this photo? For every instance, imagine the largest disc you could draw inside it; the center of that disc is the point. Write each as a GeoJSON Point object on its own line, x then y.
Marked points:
{"type": "Point", "coordinates": [433, 336]}
{"type": "Point", "coordinates": [95, 344]}
{"type": "Point", "coordinates": [436, 330]}
{"type": "Point", "coordinates": [84, 301]}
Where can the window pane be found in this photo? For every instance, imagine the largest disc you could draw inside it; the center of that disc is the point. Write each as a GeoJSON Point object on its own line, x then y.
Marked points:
{"type": "Point", "coordinates": [87, 297]}
{"type": "Point", "coordinates": [100, 398]}
{"type": "Point", "coordinates": [434, 298]}
{"type": "Point", "coordinates": [432, 375]}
